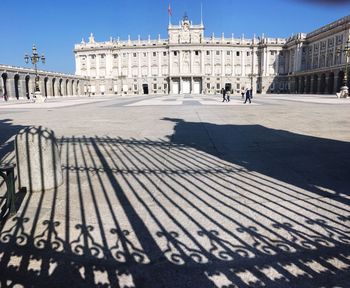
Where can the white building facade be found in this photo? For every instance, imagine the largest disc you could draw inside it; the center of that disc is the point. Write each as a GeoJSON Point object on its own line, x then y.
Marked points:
{"type": "Point", "coordinates": [187, 62]}
{"type": "Point", "coordinates": [190, 63]}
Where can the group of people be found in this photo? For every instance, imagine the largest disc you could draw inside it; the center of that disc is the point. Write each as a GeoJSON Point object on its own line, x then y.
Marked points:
{"type": "Point", "coordinates": [247, 94]}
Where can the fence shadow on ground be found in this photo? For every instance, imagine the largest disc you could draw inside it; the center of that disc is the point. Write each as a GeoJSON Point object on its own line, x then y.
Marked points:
{"type": "Point", "coordinates": [153, 213]}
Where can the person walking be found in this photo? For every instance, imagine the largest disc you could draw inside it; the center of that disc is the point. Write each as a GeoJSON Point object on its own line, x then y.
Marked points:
{"type": "Point", "coordinates": [223, 92]}
{"type": "Point", "coordinates": [247, 96]}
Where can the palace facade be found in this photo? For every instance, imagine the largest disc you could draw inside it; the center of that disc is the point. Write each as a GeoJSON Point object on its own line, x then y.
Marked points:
{"type": "Point", "coordinates": [188, 62]}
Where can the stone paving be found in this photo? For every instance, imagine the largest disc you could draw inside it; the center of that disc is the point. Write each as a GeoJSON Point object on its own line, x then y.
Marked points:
{"type": "Point", "coordinates": [184, 191]}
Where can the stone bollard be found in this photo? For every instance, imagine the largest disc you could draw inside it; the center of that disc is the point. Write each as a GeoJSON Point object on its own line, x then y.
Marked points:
{"type": "Point", "coordinates": [38, 159]}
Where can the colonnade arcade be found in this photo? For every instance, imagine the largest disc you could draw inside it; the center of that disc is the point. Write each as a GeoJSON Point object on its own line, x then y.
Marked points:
{"type": "Point", "coordinates": [20, 83]}
{"type": "Point", "coordinates": [319, 83]}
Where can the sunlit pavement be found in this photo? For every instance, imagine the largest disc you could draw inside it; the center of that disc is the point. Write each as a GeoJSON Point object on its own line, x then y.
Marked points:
{"type": "Point", "coordinates": [184, 191]}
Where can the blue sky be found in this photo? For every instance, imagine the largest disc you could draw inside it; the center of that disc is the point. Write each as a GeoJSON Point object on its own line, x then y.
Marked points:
{"type": "Point", "coordinates": [56, 25]}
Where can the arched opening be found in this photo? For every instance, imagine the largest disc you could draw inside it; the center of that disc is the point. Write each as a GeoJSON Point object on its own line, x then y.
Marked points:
{"type": "Point", "coordinates": [302, 84]}
{"type": "Point", "coordinates": [315, 84]}
{"type": "Point", "coordinates": [323, 84]}
{"type": "Point", "coordinates": [67, 87]}
{"type": "Point", "coordinates": [53, 87]}
{"type": "Point", "coordinates": [16, 80]}
{"type": "Point", "coordinates": [77, 91]}
{"type": "Point", "coordinates": [340, 80]}
{"type": "Point", "coordinates": [296, 85]}
{"type": "Point", "coordinates": [27, 79]}
{"type": "Point", "coordinates": [308, 84]}
{"type": "Point", "coordinates": [72, 88]}
{"type": "Point", "coordinates": [60, 87]}
{"type": "Point", "coordinates": [331, 83]}
{"type": "Point", "coordinates": [46, 79]}
{"type": "Point", "coordinates": [4, 81]}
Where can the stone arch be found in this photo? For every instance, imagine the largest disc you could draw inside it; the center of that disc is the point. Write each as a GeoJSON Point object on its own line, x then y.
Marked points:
{"type": "Point", "coordinates": [297, 86]}
{"type": "Point", "coordinates": [53, 86]}
{"type": "Point", "coordinates": [16, 83]}
{"type": "Point", "coordinates": [323, 84]}
{"type": "Point", "coordinates": [340, 80]}
{"type": "Point", "coordinates": [308, 84]}
{"type": "Point", "coordinates": [46, 79]}
{"type": "Point", "coordinates": [302, 84]}
{"type": "Point", "coordinates": [60, 87]}
{"type": "Point", "coordinates": [315, 84]}
{"type": "Point", "coordinates": [331, 83]}
{"type": "Point", "coordinates": [27, 86]}
{"type": "Point", "coordinates": [66, 87]}
{"type": "Point", "coordinates": [5, 88]}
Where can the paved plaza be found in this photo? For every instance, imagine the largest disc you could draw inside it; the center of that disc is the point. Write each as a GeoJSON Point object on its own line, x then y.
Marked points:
{"type": "Point", "coordinates": [184, 191]}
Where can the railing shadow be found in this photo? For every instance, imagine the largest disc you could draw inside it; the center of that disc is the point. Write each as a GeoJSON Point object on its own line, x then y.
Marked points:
{"type": "Point", "coordinates": [151, 213]}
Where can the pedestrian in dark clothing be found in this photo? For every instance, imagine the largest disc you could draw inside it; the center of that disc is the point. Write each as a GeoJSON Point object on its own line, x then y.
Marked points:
{"type": "Point", "coordinates": [223, 92]}
{"type": "Point", "coordinates": [247, 96]}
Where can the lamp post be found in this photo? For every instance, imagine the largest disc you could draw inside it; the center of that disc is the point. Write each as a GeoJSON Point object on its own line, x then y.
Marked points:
{"type": "Point", "coordinates": [344, 90]}
{"type": "Point", "coordinates": [34, 59]}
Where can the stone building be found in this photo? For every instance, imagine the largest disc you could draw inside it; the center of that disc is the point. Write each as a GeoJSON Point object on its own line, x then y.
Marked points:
{"type": "Point", "coordinates": [315, 62]}
{"type": "Point", "coordinates": [186, 62]}
{"type": "Point", "coordinates": [18, 83]}
{"type": "Point", "coordinates": [189, 62]}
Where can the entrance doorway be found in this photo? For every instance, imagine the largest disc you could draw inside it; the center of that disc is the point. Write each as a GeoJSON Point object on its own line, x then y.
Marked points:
{"type": "Point", "coordinates": [186, 86]}
{"type": "Point", "coordinates": [145, 88]}
{"type": "Point", "coordinates": [228, 87]}
{"type": "Point", "coordinates": [197, 86]}
{"type": "Point", "coordinates": [176, 87]}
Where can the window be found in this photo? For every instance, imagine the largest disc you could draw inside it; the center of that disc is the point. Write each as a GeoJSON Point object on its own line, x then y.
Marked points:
{"type": "Point", "coordinates": [135, 86]}
{"type": "Point", "coordinates": [217, 52]}
{"type": "Point", "coordinates": [248, 53]}
{"type": "Point", "coordinates": [208, 52]}
{"type": "Point", "coordinates": [102, 56]}
{"type": "Point", "coordinates": [208, 85]}
{"type": "Point", "coordinates": [237, 53]}
{"type": "Point", "coordinates": [155, 86]}
{"type": "Point", "coordinates": [218, 86]}
{"type": "Point", "coordinates": [164, 53]}
{"type": "Point", "coordinates": [175, 53]}
{"type": "Point", "coordinates": [228, 53]}
{"type": "Point", "coordinates": [115, 56]}
{"type": "Point", "coordinates": [165, 86]}
{"type": "Point", "coordinates": [154, 54]}
{"type": "Point", "coordinates": [92, 56]}
{"type": "Point", "coordinates": [196, 53]}
{"type": "Point", "coordinates": [134, 54]}
{"type": "Point", "coordinates": [238, 86]}
{"type": "Point", "coordinates": [144, 54]}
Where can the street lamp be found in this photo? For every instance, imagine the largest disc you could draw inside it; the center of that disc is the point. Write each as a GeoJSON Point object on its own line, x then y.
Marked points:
{"type": "Point", "coordinates": [344, 90]}
{"type": "Point", "coordinates": [34, 59]}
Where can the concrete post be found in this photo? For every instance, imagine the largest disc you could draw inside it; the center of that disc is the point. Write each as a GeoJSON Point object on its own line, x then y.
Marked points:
{"type": "Point", "coordinates": [38, 159]}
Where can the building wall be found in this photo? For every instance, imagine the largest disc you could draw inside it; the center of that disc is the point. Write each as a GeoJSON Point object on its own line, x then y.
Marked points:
{"type": "Point", "coordinates": [18, 83]}
{"type": "Point", "coordinates": [186, 62]}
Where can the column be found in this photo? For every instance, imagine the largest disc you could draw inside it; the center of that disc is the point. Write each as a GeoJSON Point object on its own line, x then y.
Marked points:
{"type": "Point", "coordinates": [180, 64]}
{"type": "Point", "coordinates": [233, 72]}
{"type": "Point", "coordinates": [11, 94]}
{"type": "Point", "coordinates": [149, 64]}
{"type": "Point", "coordinates": [212, 63]}
{"type": "Point", "coordinates": [191, 62]}
{"type": "Point", "coordinates": [139, 64]}
{"type": "Point", "coordinates": [202, 62]}
{"type": "Point", "coordinates": [180, 88]}
{"type": "Point", "coordinates": [129, 65]}
{"type": "Point", "coordinates": [119, 64]}
{"type": "Point", "coordinates": [22, 84]}
{"type": "Point", "coordinates": [191, 88]}
{"type": "Point", "coordinates": [222, 63]}
{"type": "Point", "coordinates": [160, 64]}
